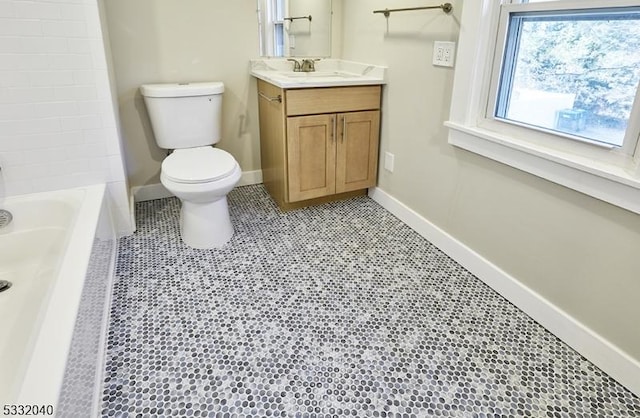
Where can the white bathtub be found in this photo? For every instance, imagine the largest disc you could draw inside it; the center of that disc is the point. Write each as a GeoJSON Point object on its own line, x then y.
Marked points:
{"type": "Point", "coordinates": [49, 253]}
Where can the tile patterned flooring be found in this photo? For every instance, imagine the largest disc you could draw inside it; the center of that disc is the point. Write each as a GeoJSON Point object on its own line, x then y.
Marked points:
{"type": "Point", "coordinates": [335, 310]}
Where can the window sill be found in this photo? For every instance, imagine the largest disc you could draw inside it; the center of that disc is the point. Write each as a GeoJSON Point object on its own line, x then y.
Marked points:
{"type": "Point", "coordinates": [606, 182]}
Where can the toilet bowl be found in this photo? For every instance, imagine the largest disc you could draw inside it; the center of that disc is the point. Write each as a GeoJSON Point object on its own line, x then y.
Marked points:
{"type": "Point", "coordinates": [201, 178]}
{"type": "Point", "coordinates": [186, 117]}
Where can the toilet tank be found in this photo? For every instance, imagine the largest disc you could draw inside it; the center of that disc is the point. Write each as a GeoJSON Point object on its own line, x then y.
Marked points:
{"type": "Point", "coordinates": [185, 115]}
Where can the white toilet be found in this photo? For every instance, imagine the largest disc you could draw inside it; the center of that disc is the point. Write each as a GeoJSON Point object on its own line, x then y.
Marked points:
{"type": "Point", "coordinates": [187, 119]}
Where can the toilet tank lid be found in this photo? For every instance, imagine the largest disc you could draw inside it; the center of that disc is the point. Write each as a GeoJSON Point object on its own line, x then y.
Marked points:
{"type": "Point", "coordinates": [182, 89]}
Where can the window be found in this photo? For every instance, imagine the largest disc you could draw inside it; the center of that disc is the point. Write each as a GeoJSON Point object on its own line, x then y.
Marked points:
{"type": "Point", "coordinates": [278, 28]}
{"type": "Point", "coordinates": [271, 27]}
{"type": "Point", "coordinates": [551, 87]}
{"type": "Point", "coordinates": [573, 72]}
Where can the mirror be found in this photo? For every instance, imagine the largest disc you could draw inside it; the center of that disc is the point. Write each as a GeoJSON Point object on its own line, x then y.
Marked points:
{"type": "Point", "coordinates": [295, 28]}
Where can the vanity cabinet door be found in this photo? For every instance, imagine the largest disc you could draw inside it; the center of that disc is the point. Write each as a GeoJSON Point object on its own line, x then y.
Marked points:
{"type": "Point", "coordinates": [357, 150]}
{"type": "Point", "coordinates": [311, 156]}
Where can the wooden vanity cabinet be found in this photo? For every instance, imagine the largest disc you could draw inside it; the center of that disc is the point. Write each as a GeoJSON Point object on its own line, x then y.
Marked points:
{"type": "Point", "coordinates": [318, 144]}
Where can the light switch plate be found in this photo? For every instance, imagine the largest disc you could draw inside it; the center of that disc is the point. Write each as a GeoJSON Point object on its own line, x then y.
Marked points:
{"type": "Point", "coordinates": [444, 53]}
{"type": "Point", "coordinates": [389, 161]}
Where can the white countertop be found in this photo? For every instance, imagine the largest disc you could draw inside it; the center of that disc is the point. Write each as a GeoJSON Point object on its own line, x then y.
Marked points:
{"type": "Point", "coordinates": [329, 73]}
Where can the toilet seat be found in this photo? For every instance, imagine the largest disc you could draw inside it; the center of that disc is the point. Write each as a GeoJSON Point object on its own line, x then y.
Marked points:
{"type": "Point", "coordinates": [198, 165]}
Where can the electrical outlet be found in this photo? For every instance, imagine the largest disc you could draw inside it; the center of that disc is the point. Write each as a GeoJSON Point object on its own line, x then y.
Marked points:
{"type": "Point", "coordinates": [389, 159]}
{"type": "Point", "coordinates": [443, 53]}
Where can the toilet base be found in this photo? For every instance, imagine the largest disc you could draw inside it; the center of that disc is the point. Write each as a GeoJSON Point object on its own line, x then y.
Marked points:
{"type": "Point", "coordinates": [205, 225]}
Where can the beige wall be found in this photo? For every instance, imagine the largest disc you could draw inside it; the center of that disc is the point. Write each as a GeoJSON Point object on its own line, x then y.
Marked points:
{"type": "Point", "coordinates": [578, 252]}
{"type": "Point", "coordinates": [156, 41]}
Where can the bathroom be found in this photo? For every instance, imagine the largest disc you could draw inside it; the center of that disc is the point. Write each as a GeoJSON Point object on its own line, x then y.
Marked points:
{"type": "Point", "coordinates": [558, 254]}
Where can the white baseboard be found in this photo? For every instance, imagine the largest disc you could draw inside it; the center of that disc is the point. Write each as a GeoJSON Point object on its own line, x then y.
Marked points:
{"type": "Point", "coordinates": [149, 192]}
{"type": "Point", "coordinates": [158, 191]}
{"type": "Point", "coordinates": [250, 177]}
{"type": "Point", "coordinates": [609, 358]}
{"type": "Point", "coordinates": [132, 213]}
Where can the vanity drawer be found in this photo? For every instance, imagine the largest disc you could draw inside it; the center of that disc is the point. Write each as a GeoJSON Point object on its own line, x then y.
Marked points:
{"type": "Point", "coordinates": [332, 100]}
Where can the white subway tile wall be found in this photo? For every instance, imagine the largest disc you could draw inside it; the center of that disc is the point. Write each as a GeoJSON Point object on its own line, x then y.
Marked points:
{"type": "Point", "coordinates": [58, 127]}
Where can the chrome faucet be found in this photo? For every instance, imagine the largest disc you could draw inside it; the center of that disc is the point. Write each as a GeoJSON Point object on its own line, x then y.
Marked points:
{"type": "Point", "coordinates": [297, 67]}
{"type": "Point", "coordinates": [309, 65]}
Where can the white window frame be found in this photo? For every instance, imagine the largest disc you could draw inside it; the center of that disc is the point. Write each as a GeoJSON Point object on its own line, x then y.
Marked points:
{"type": "Point", "coordinates": [267, 22]}
{"type": "Point", "coordinates": [604, 172]}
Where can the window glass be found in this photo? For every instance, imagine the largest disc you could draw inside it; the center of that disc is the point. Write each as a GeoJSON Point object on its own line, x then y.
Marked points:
{"type": "Point", "coordinates": [278, 28]}
{"type": "Point", "coordinates": [573, 72]}
{"type": "Point", "coordinates": [278, 40]}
